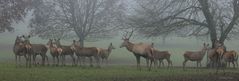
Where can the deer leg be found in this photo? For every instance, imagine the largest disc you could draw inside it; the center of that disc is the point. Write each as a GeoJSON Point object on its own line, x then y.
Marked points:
{"type": "Point", "coordinates": [53, 61]}
{"type": "Point", "coordinates": [97, 59]}
{"type": "Point", "coordinates": [147, 62]}
{"type": "Point", "coordinates": [91, 65]}
{"type": "Point", "coordinates": [43, 60]}
{"type": "Point", "coordinates": [19, 59]}
{"type": "Point", "coordinates": [62, 60]}
{"type": "Point", "coordinates": [46, 57]}
{"type": "Point", "coordinates": [200, 64]}
{"type": "Point", "coordinates": [150, 66]}
{"type": "Point", "coordinates": [30, 62]}
{"type": "Point", "coordinates": [26, 58]}
{"type": "Point", "coordinates": [16, 60]}
{"type": "Point", "coordinates": [184, 63]}
{"type": "Point", "coordinates": [107, 61]}
{"type": "Point", "coordinates": [73, 60]}
{"type": "Point", "coordinates": [159, 63]}
{"type": "Point", "coordinates": [83, 62]}
{"type": "Point", "coordinates": [162, 63]}
{"type": "Point", "coordinates": [197, 65]}
{"type": "Point", "coordinates": [58, 60]}
{"type": "Point", "coordinates": [102, 61]}
{"type": "Point", "coordinates": [236, 63]}
{"type": "Point", "coordinates": [34, 60]}
{"type": "Point", "coordinates": [233, 64]}
{"type": "Point", "coordinates": [138, 62]}
{"type": "Point", "coordinates": [77, 60]}
{"type": "Point", "coordinates": [168, 60]}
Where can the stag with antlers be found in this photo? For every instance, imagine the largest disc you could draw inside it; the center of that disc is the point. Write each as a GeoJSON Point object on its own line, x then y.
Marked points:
{"type": "Point", "coordinates": [139, 50]}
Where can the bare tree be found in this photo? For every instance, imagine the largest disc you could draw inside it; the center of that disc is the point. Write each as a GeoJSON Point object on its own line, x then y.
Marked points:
{"type": "Point", "coordinates": [85, 18]}
{"type": "Point", "coordinates": [187, 17]}
{"type": "Point", "coordinates": [12, 11]}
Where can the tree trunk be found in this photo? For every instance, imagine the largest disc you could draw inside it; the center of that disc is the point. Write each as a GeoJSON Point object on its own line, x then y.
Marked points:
{"type": "Point", "coordinates": [81, 38]}
{"type": "Point", "coordinates": [82, 42]}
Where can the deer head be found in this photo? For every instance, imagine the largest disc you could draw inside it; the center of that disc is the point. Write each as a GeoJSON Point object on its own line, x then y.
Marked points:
{"type": "Point", "coordinates": [57, 41]}
{"type": "Point", "coordinates": [205, 46]}
{"type": "Point", "coordinates": [75, 44]}
{"type": "Point", "coordinates": [126, 39]}
{"type": "Point", "coordinates": [50, 43]}
{"type": "Point", "coordinates": [111, 46]}
{"type": "Point", "coordinates": [27, 41]}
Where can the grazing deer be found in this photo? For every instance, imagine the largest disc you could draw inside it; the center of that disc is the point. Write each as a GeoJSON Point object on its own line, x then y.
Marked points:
{"type": "Point", "coordinates": [34, 50]}
{"type": "Point", "coordinates": [54, 51]}
{"type": "Point", "coordinates": [104, 53]}
{"type": "Point", "coordinates": [195, 56]}
{"type": "Point", "coordinates": [65, 50]}
{"type": "Point", "coordinates": [85, 52]}
{"type": "Point", "coordinates": [139, 50]}
{"type": "Point", "coordinates": [231, 57]}
{"type": "Point", "coordinates": [19, 50]}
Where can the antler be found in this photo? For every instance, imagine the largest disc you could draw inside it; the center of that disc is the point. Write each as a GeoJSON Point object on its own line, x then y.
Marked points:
{"type": "Point", "coordinates": [131, 34]}
{"type": "Point", "coordinates": [125, 35]}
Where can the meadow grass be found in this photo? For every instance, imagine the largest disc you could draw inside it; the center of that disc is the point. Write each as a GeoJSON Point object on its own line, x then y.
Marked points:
{"type": "Point", "coordinates": [9, 72]}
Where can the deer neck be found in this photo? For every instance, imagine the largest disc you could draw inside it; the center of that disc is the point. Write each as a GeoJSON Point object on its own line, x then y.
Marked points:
{"type": "Point", "coordinates": [109, 49]}
{"type": "Point", "coordinates": [130, 46]}
{"type": "Point", "coordinates": [203, 52]}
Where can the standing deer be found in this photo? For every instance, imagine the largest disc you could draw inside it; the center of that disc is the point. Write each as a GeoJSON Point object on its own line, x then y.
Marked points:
{"type": "Point", "coordinates": [195, 56]}
{"type": "Point", "coordinates": [161, 55]}
{"type": "Point", "coordinates": [65, 50]}
{"type": "Point", "coordinates": [85, 52]}
{"type": "Point", "coordinates": [19, 50]}
{"type": "Point", "coordinates": [139, 50]}
{"type": "Point", "coordinates": [104, 53]}
{"type": "Point", "coordinates": [35, 49]}
{"type": "Point", "coordinates": [219, 55]}
{"type": "Point", "coordinates": [54, 51]}
{"type": "Point", "coordinates": [231, 57]}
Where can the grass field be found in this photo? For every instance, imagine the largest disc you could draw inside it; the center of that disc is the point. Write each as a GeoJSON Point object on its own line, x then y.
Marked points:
{"type": "Point", "coordinates": [110, 73]}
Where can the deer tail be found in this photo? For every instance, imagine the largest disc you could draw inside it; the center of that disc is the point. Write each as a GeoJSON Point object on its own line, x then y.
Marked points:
{"type": "Point", "coordinates": [98, 51]}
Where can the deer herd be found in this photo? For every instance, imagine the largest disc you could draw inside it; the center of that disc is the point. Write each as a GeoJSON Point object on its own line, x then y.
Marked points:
{"type": "Point", "coordinates": [218, 55]}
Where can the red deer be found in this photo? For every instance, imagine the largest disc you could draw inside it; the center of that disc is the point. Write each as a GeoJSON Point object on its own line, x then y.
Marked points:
{"type": "Point", "coordinates": [220, 50]}
{"type": "Point", "coordinates": [54, 51]}
{"type": "Point", "coordinates": [104, 53]}
{"type": "Point", "coordinates": [65, 50]}
{"type": "Point", "coordinates": [139, 50]}
{"type": "Point", "coordinates": [161, 55]}
{"type": "Point", "coordinates": [19, 50]}
{"type": "Point", "coordinates": [35, 49]}
{"type": "Point", "coordinates": [195, 55]}
{"type": "Point", "coordinates": [231, 57]}
{"type": "Point", "coordinates": [85, 52]}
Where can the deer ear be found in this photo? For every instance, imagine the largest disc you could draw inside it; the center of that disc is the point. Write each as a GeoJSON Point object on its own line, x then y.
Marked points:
{"type": "Point", "coordinates": [28, 36]}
